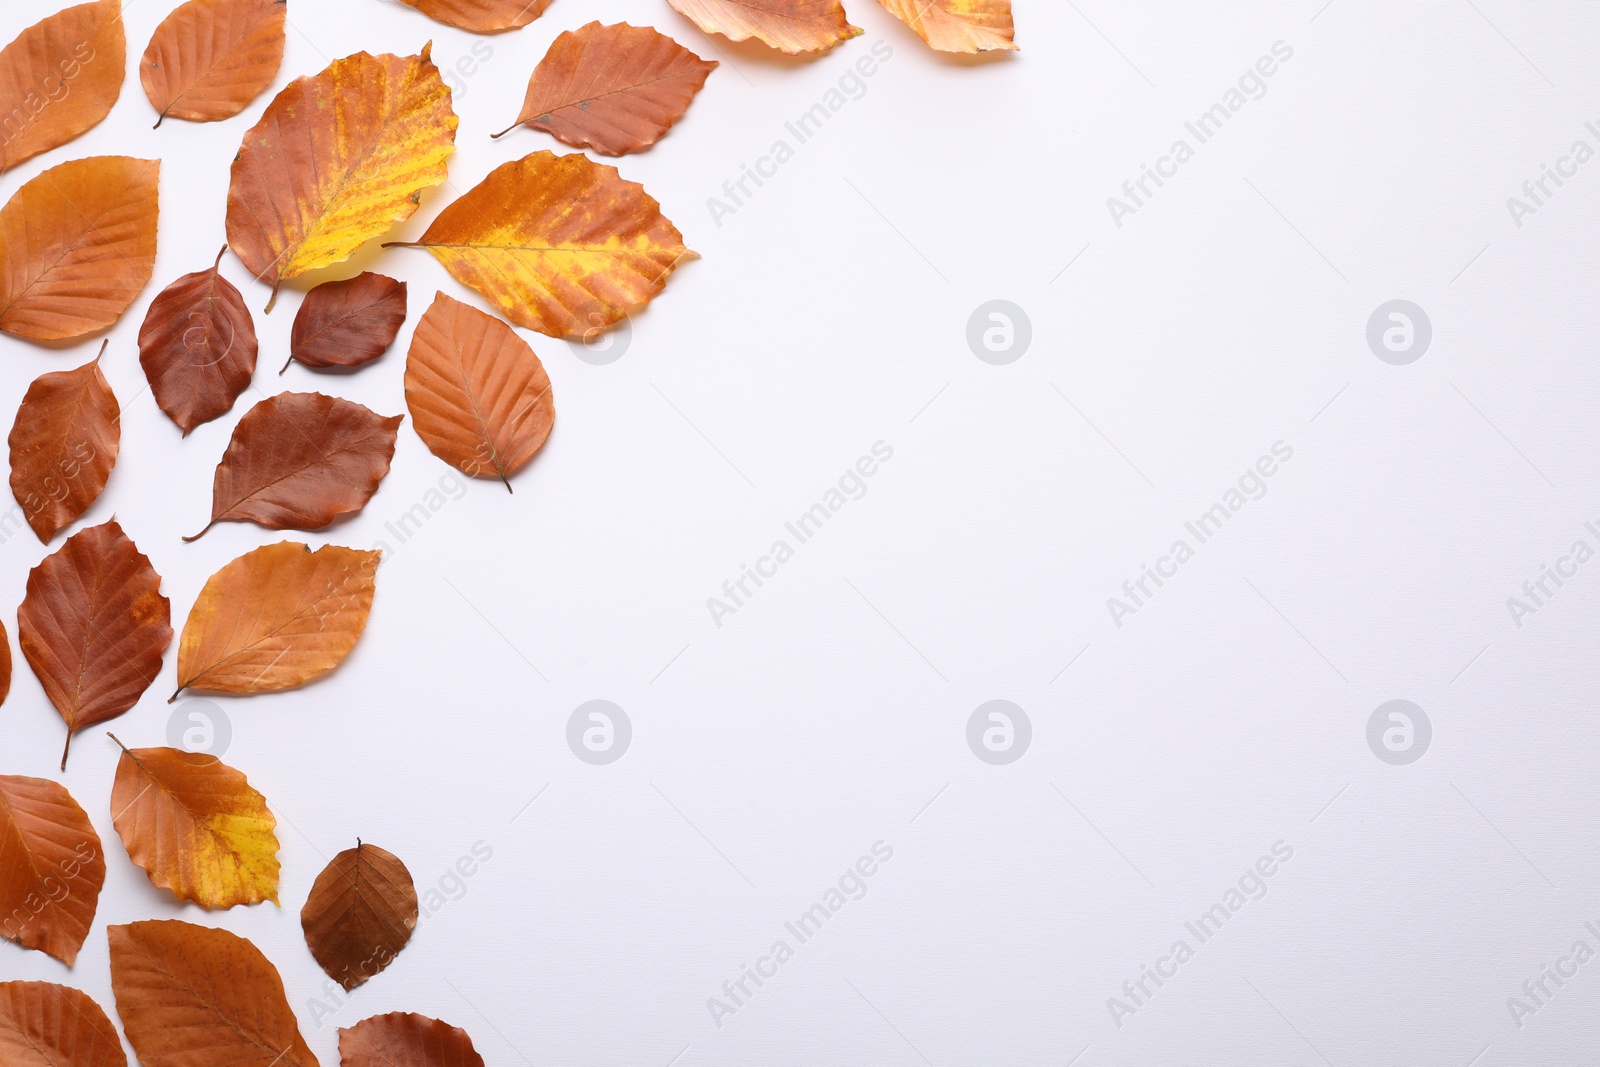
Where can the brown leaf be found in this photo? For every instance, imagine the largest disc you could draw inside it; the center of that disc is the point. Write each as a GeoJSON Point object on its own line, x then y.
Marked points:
{"type": "Point", "coordinates": [403, 1039]}
{"type": "Point", "coordinates": [63, 446]}
{"type": "Point", "coordinates": [276, 618]}
{"type": "Point", "coordinates": [481, 16]}
{"type": "Point", "coordinates": [198, 347]}
{"type": "Point", "coordinates": [360, 914]}
{"type": "Point", "coordinates": [59, 78]}
{"type": "Point", "coordinates": [615, 89]}
{"type": "Point", "coordinates": [47, 1025]}
{"type": "Point", "coordinates": [191, 996]}
{"type": "Point", "coordinates": [349, 323]}
{"type": "Point", "coordinates": [5, 664]}
{"type": "Point", "coordinates": [210, 58]}
{"type": "Point", "coordinates": [479, 397]}
{"type": "Point", "coordinates": [94, 626]}
{"type": "Point", "coordinates": [958, 25]}
{"type": "Point", "coordinates": [80, 243]}
{"type": "Point", "coordinates": [790, 26]}
{"type": "Point", "coordinates": [51, 869]}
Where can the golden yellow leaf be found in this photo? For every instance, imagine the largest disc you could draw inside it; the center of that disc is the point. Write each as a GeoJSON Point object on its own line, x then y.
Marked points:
{"type": "Point", "coordinates": [958, 25]}
{"type": "Point", "coordinates": [791, 26]}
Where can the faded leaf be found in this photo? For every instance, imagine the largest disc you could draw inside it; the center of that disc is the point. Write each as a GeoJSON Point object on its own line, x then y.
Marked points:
{"type": "Point", "coordinates": [196, 827]}
{"type": "Point", "coordinates": [349, 323]}
{"type": "Point", "coordinates": [276, 618]}
{"type": "Point", "coordinates": [479, 397]}
{"type": "Point", "coordinates": [360, 914]}
{"type": "Point", "coordinates": [94, 626]}
{"type": "Point", "coordinates": [559, 244]}
{"type": "Point", "coordinates": [481, 16]}
{"type": "Point", "coordinates": [80, 243]}
{"type": "Point", "coordinates": [210, 58]}
{"type": "Point", "coordinates": [958, 25]}
{"type": "Point", "coordinates": [47, 1025]}
{"type": "Point", "coordinates": [615, 89]}
{"type": "Point", "coordinates": [51, 870]}
{"type": "Point", "coordinates": [790, 26]}
{"type": "Point", "coordinates": [192, 996]}
{"type": "Point", "coordinates": [337, 160]}
{"type": "Point", "coordinates": [59, 78]}
{"type": "Point", "coordinates": [63, 446]}
{"type": "Point", "coordinates": [198, 347]}
{"type": "Point", "coordinates": [298, 461]}
{"type": "Point", "coordinates": [404, 1039]}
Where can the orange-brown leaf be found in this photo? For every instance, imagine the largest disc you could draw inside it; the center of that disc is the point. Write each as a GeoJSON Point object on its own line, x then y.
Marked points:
{"type": "Point", "coordinates": [360, 914]}
{"type": "Point", "coordinates": [198, 347]}
{"type": "Point", "coordinates": [94, 626]}
{"type": "Point", "coordinates": [47, 1025]}
{"type": "Point", "coordinates": [479, 397]}
{"type": "Point", "coordinates": [59, 78]}
{"type": "Point", "coordinates": [63, 446]}
{"type": "Point", "coordinates": [791, 26]}
{"type": "Point", "coordinates": [191, 996]}
{"type": "Point", "coordinates": [210, 58]}
{"type": "Point", "coordinates": [404, 1039]}
{"type": "Point", "coordinates": [298, 461]}
{"type": "Point", "coordinates": [51, 869]}
{"type": "Point", "coordinates": [276, 618]}
{"type": "Point", "coordinates": [481, 16]}
{"type": "Point", "coordinates": [349, 323]}
{"type": "Point", "coordinates": [615, 89]}
{"type": "Point", "coordinates": [958, 25]}
{"type": "Point", "coordinates": [80, 243]}
{"type": "Point", "coordinates": [5, 664]}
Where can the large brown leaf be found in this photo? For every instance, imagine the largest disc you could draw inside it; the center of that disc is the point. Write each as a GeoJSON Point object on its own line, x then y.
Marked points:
{"type": "Point", "coordinates": [63, 446]}
{"type": "Point", "coordinates": [47, 1025]}
{"type": "Point", "coordinates": [59, 78]}
{"type": "Point", "coordinates": [198, 347]}
{"type": "Point", "coordinates": [479, 397]}
{"type": "Point", "coordinates": [191, 996]}
{"type": "Point", "coordinates": [559, 244]}
{"type": "Point", "coordinates": [298, 461]}
{"type": "Point", "coordinates": [276, 618]}
{"type": "Point", "coordinates": [347, 324]}
{"type": "Point", "coordinates": [615, 89]}
{"type": "Point", "coordinates": [79, 244]}
{"type": "Point", "coordinates": [403, 1039]}
{"type": "Point", "coordinates": [210, 58]}
{"type": "Point", "coordinates": [482, 16]}
{"type": "Point", "coordinates": [791, 26]}
{"type": "Point", "coordinates": [958, 25]}
{"type": "Point", "coordinates": [360, 914]}
{"type": "Point", "coordinates": [94, 626]}
{"type": "Point", "coordinates": [51, 869]}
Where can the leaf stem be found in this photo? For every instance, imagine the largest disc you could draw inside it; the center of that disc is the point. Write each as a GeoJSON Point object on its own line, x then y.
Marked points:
{"type": "Point", "coordinates": [273, 302]}
{"type": "Point", "coordinates": [286, 363]}
{"type": "Point", "coordinates": [195, 537]}
{"type": "Point", "coordinates": [103, 346]}
{"type": "Point", "coordinates": [66, 749]}
{"type": "Point", "coordinates": [502, 133]}
{"type": "Point", "coordinates": [176, 693]}
{"type": "Point", "coordinates": [118, 740]}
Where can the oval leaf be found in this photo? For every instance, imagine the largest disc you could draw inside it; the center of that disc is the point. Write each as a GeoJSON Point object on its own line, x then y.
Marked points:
{"type": "Point", "coordinates": [479, 397]}
{"type": "Point", "coordinates": [80, 243]}
{"type": "Point", "coordinates": [63, 446]}
{"type": "Point", "coordinates": [558, 244]}
{"type": "Point", "coordinates": [337, 160]}
{"type": "Point", "coordinates": [791, 26]}
{"type": "Point", "coordinates": [59, 78]}
{"type": "Point", "coordinates": [5, 664]}
{"type": "Point", "coordinates": [403, 1039]}
{"type": "Point", "coordinates": [51, 869]}
{"type": "Point", "coordinates": [198, 347]}
{"type": "Point", "coordinates": [191, 996]}
{"type": "Point", "coordinates": [210, 58]}
{"type": "Point", "coordinates": [958, 25]}
{"type": "Point", "coordinates": [349, 323]}
{"type": "Point", "coordinates": [481, 16]}
{"type": "Point", "coordinates": [360, 914]}
{"type": "Point", "coordinates": [94, 626]}
{"type": "Point", "coordinates": [47, 1025]}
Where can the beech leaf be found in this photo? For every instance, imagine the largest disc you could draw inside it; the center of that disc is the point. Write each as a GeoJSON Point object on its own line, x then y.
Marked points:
{"type": "Point", "coordinates": [59, 78]}
{"type": "Point", "coordinates": [5, 664]}
{"type": "Point", "coordinates": [347, 324]}
{"type": "Point", "coordinates": [791, 26]}
{"type": "Point", "coordinates": [481, 16]}
{"type": "Point", "coordinates": [404, 1039]}
{"type": "Point", "coordinates": [51, 869]}
{"type": "Point", "coordinates": [360, 914]}
{"type": "Point", "coordinates": [210, 58]}
{"type": "Point", "coordinates": [47, 1025]}
{"type": "Point", "coordinates": [198, 347]}
{"type": "Point", "coordinates": [958, 25]}
{"type": "Point", "coordinates": [63, 446]}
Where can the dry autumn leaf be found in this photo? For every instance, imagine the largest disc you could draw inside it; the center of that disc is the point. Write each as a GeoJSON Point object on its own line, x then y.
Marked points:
{"type": "Point", "coordinates": [337, 160]}
{"type": "Point", "coordinates": [276, 618]}
{"type": "Point", "coordinates": [559, 244]}
{"type": "Point", "coordinates": [59, 78]}
{"type": "Point", "coordinates": [191, 996]}
{"type": "Point", "coordinates": [5, 664]}
{"type": "Point", "coordinates": [615, 89]}
{"type": "Point", "coordinates": [196, 826]}
{"type": "Point", "coordinates": [47, 1025]}
{"type": "Point", "coordinates": [347, 324]}
{"type": "Point", "coordinates": [80, 243]}
{"type": "Point", "coordinates": [198, 347]}
{"type": "Point", "coordinates": [63, 446]}
{"type": "Point", "coordinates": [481, 16]}
{"type": "Point", "coordinates": [94, 626]}
{"type": "Point", "coordinates": [51, 869]}
{"type": "Point", "coordinates": [360, 914]}
{"type": "Point", "coordinates": [479, 397]}
{"type": "Point", "coordinates": [958, 25]}
{"type": "Point", "coordinates": [210, 58]}
{"type": "Point", "coordinates": [297, 461]}
{"type": "Point", "coordinates": [404, 1039]}
{"type": "Point", "coordinates": [791, 26]}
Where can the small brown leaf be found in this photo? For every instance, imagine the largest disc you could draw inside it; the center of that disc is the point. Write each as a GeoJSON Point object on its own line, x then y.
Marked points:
{"type": "Point", "coordinates": [94, 626]}
{"type": "Point", "coordinates": [210, 58]}
{"type": "Point", "coordinates": [481, 16]}
{"type": "Point", "coordinates": [63, 446]}
{"type": "Point", "coordinates": [59, 78]}
{"type": "Point", "coordinates": [791, 26]}
{"type": "Point", "coordinates": [958, 25]}
{"type": "Point", "coordinates": [51, 870]}
{"type": "Point", "coordinates": [198, 347]}
{"type": "Point", "coordinates": [403, 1039]}
{"type": "Point", "coordinates": [47, 1025]}
{"type": "Point", "coordinates": [360, 914]}
{"type": "Point", "coordinates": [349, 323]}
{"type": "Point", "coordinates": [5, 664]}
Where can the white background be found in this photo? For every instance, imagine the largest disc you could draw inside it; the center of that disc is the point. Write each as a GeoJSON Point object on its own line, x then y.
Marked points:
{"type": "Point", "coordinates": [830, 313]}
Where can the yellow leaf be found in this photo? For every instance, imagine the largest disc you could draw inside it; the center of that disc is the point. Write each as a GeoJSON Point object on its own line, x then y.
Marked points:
{"type": "Point", "coordinates": [958, 25]}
